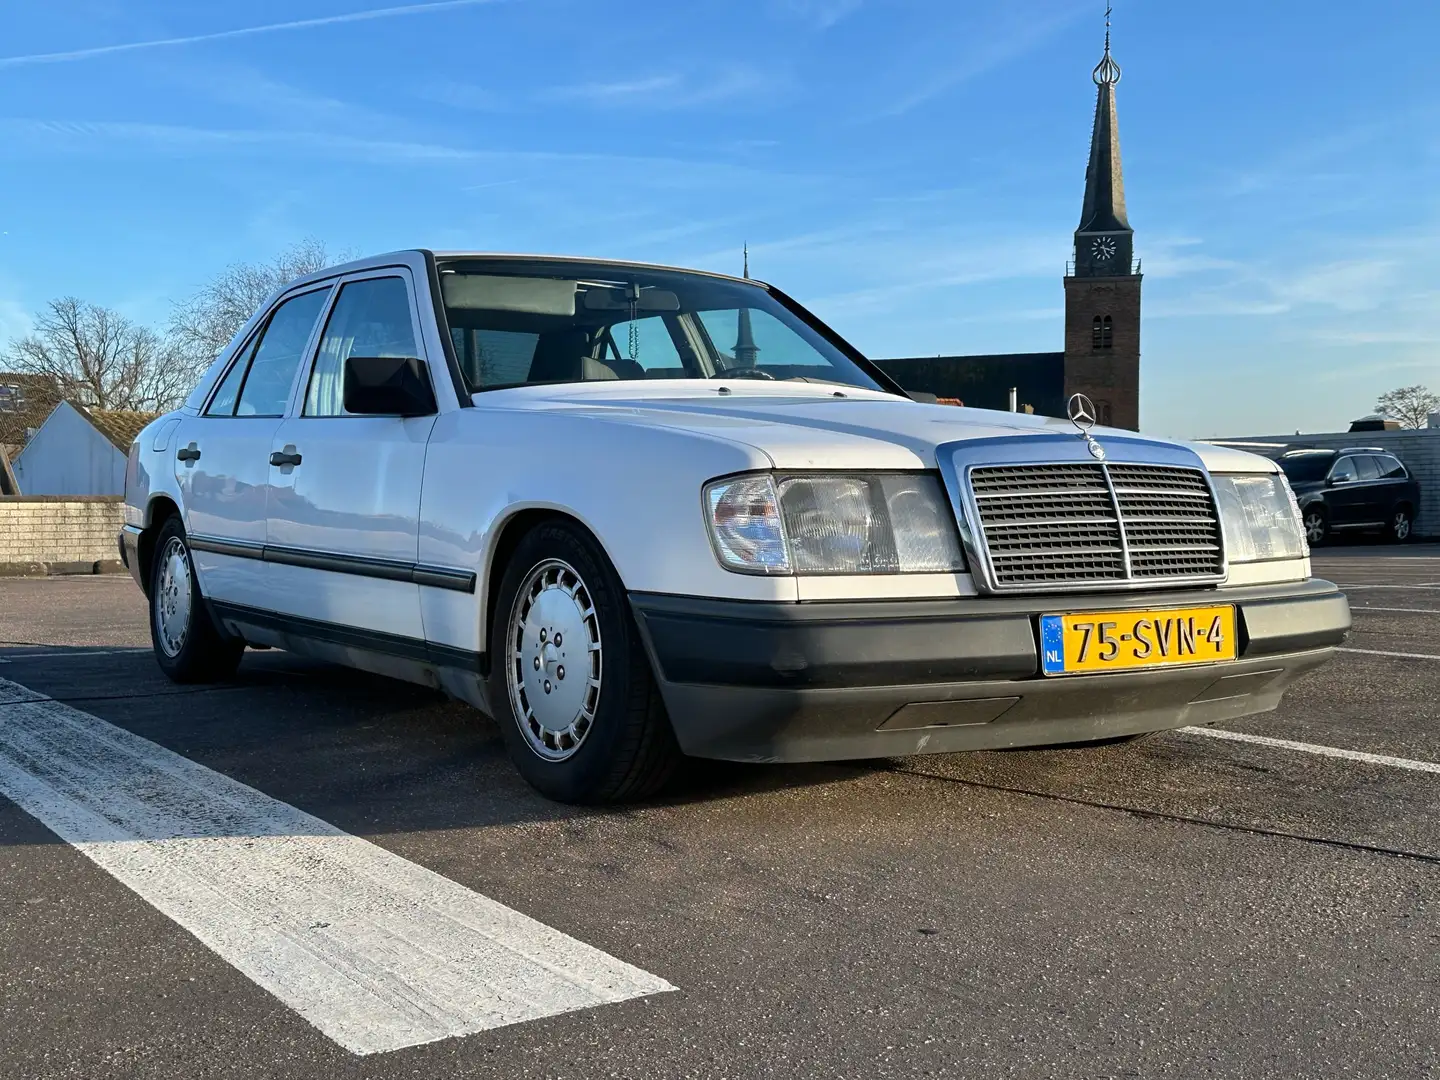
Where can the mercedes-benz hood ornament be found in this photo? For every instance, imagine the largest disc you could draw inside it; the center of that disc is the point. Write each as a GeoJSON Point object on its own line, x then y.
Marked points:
{"type": "Point", "coordinates": [1081, 411]}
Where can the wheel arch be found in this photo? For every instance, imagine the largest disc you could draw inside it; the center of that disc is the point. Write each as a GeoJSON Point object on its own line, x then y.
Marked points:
{"type": "Point", "coordinates": [160, 509]}
{"type": "Point", "coordinates": [508, 534]}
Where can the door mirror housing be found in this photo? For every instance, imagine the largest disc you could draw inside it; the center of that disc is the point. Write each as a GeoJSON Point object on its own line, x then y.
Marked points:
{"type": "Point", "coordinates": [388, 386]}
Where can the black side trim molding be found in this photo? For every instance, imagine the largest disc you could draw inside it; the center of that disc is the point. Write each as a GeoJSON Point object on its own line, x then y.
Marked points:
{"type": "Point", "coordinates": [407, 648]}
{"type": "Point", "coordinates": [437, 577]}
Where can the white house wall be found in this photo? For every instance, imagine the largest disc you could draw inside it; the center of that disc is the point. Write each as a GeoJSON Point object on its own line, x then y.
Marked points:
{"type": "Point", "coordinates": [67, 456]}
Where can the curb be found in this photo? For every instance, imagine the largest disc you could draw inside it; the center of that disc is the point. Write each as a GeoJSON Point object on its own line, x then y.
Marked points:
{"type": "Point", "coordinates": [59, 569]}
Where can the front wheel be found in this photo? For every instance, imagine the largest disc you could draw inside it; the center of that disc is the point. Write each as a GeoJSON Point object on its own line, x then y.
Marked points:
{"type": "Point", "coordinates": [1399, 527]}
{"type": "Point", "coordinates": [1317, 528]}
{"type": "Point", "coordinates": [570, 683]}
{"type": "Point", "coordinates": [188, 645]}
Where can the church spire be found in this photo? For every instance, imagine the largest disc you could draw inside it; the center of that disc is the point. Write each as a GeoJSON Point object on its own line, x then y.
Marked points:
{"type": "Point", "coordinates": [745, 348]}
{"type": "Point", "coordinates": [1103, 241]}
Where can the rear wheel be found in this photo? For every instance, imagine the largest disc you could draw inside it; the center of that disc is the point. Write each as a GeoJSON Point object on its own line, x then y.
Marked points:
{"type": "Point", "coordinates": [570, 683]}
{"type": "Point", "coordinates": [188, 645]}
{"type": "Point", "coordinates": [1317, 526]}
{"type": "Point", "coordinates": [1400, 525]}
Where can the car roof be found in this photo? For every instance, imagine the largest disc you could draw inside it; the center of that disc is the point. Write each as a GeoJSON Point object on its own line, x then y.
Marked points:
{"type": "Point", "coordinates": [391, 257]}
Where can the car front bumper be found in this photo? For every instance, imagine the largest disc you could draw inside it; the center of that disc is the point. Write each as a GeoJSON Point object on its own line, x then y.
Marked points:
{"type": "Point", "coordinates": [749, 681]}
{"type": "Point", "coordinates": [129, 541]}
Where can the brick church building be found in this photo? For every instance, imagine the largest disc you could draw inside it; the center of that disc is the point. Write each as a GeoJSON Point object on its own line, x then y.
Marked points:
{"type": "Point", "coordinates": [1102, 306]}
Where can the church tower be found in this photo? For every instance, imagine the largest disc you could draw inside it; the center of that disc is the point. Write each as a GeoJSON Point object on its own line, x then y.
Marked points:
{"type": "Point", "coordinates": [1102, 289]}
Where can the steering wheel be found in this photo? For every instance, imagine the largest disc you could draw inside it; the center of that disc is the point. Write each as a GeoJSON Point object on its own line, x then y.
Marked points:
{"type": "Point", "coordinates": [742, 373]}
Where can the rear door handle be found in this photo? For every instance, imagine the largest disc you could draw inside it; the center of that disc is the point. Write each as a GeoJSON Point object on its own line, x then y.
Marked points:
{"type": "Point", "coordinates": [280, 457]}
{"type": "Point", "coordinates": [188, 453]}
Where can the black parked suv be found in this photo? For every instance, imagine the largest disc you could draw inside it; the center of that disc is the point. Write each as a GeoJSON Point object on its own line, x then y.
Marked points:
{"type": "Point", "coordinates": [1360, 488]}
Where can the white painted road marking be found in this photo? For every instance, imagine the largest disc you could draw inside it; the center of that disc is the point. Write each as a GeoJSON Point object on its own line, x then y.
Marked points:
{"type": "Point", "coordinates": [1406, 610]}
{"type": "Point", "coordinates": [1312, 748]}
{"type": "Point", "coordinates": [376, 952]}
{"type": "Point", "coordinates": [1418, 585]}
{"type": "Point", "coordinates": [70, 653]}
{"type": "Point", "coordinates": [1397, 655]}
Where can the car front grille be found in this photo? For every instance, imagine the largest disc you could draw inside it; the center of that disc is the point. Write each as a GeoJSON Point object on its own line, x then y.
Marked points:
{"type": "Point", "coordinates": [1096, 525]}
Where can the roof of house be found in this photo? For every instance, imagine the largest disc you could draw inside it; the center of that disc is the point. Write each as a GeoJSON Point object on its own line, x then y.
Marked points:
{"type": "Point", "coordinates": [25, 402]}
{"type": "Point", "coordinates": [118, 425]}
{"type": "Point", "coordinates": [984, 382]}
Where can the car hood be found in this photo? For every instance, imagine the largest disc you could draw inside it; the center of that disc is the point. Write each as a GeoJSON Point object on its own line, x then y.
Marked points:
{"type": "Point", "coordinates": [814, 425]}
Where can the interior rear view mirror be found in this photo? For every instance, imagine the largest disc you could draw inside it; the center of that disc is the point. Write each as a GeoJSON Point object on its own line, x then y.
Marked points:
{"type": "Point", "coordinates": [388, 386]}
{"type": "Point", "coordinates": [602, 299]}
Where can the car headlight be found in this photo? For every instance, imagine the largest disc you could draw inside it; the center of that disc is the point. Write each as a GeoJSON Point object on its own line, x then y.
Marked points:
{"type": "Point", "coordinates": [890, 523]}
{"type": "Point", "coordinates": [1261, 518]}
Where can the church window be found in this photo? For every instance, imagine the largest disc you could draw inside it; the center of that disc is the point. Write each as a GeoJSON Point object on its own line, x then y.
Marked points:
{"type": "Point", "coordinates": [1101, 332]}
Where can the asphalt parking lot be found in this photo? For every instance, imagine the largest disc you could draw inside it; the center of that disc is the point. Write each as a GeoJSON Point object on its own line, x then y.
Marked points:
{"type": "Point", "coordinates": [1185, 906]}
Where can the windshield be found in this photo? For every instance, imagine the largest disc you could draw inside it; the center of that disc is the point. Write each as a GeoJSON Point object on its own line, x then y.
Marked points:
{"type": "Point", "coordinates": [1308, 468]}
{"type": "Point", "coordinates": [518, 323]}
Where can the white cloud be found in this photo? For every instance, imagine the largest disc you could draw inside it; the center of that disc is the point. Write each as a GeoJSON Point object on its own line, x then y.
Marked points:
{"type": "Point", "coordinates": [822, 14]}
{"type": "Point", "coordinates": [665, 91]}
{"type": "Point", "coordinates": [244, 31]}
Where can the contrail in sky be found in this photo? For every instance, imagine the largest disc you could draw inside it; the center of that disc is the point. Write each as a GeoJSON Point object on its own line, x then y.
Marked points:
{"type": "Point", "coordinates": [244, 31]}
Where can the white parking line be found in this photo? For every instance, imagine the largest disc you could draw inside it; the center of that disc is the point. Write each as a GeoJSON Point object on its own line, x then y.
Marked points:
{"type": "Point", "coordinates": [1397, 655]}
{"type": "Point", "coordinates": [376, 952]}
{"type": "Point", "coordinates": [1417, 585]}
{"type": "Point", "coordinates": [1409, 610]}
{"type": "Point", "coordinates": [70, 653]}
{"type": "Point", "coordinates": [1312, 748]}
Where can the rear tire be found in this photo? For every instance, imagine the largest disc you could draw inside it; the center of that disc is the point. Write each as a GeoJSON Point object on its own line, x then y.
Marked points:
{"type": "Point", "coordinates": [570, 683]}
{"type": "Point", "coordinates": [1400, 526]}
{"type": "Point", "coordinates": [1317, 527]}
{"type": "Point", "coordinates": [189, 647]}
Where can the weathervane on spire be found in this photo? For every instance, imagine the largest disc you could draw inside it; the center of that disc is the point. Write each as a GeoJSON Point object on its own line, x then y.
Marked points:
{"type": "Point", "coordinates": [1107, 72]}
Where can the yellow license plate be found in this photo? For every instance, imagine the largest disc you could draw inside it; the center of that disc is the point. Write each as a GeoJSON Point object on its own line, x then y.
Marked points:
{"type": "Point", "coordinates": [1120, 640]}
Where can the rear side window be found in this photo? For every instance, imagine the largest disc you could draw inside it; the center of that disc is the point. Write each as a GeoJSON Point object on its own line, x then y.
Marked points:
{"type": "Point", "coordinates": [1366, 468]}
{"type": "Point", "coordinates": [258, 383]}
{"type": "Point", "coordinates": [223, 403]}
{"type": "Point", "coordinates": [277, 357]}
{"type": "Point", "coordinates": [1390, 468]}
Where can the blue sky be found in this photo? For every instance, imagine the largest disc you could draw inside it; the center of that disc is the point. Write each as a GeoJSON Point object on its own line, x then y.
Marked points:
{"type": "Point", "coordinates": [912, 169]}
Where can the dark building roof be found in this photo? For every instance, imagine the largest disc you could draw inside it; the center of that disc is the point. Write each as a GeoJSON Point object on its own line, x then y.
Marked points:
{"type": "Point", "coordinates": [1104, 208]}
{"type": "Point", "coordinates": [984, 382]}
{"type": "Point", "coordinates": [25, 402]}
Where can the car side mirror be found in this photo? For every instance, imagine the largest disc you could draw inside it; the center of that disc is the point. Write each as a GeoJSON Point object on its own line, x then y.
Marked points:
{"type": "Point", "coordinates": [388, 386]}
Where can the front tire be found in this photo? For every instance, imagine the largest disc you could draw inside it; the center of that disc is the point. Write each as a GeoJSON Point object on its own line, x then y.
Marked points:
{"type": "Point", "coordinates": [570, 684]}
{"type": "Point", "coordinates": [189, 647]}
{"type": "Point", "coordinates": [1317, 526]}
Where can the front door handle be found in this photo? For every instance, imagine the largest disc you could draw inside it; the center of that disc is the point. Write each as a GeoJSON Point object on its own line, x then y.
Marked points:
{"type": "Point", "coordinates": [188, 453]}
{"type": "Point", "coordinates": [285, 457]}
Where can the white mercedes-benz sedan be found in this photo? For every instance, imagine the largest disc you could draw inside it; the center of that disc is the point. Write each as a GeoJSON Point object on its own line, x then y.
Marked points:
{"type": "Point", "coordinates": [637, 513]}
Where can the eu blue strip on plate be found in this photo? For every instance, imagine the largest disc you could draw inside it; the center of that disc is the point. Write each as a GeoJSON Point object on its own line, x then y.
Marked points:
{"type": "Point", "coordinates": [1052, 644]}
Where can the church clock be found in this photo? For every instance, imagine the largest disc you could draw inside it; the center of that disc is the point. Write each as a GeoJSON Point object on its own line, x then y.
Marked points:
{"type": "Point", "coordinates": [1103, 248]}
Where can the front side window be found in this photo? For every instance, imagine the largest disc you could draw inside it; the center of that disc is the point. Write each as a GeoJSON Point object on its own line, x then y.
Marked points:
{"type": "Point", "coordinates": [1344, 471]}
{"type": "Point", "coordinates": [258, 383]}
{"type": "Point", "coordinates": [1307, 468]}
{"type": "Point", "coordinates": [519, 322]}
{"type": "Point", "coordinates": [370, 318]}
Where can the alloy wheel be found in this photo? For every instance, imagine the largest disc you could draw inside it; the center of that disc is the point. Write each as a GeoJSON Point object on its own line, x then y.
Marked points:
{"type": "Point", "coordinates": [172, 600]}
{"type": "Point", "coordinates": [1315, 527]}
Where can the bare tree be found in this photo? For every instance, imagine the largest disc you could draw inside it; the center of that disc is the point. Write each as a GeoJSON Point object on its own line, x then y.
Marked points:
{"type": "Point", "coordinates": [204, 324]}
{"type": "Point", "coordinates": [97, 357]}
{"type": "Point", "coordinates": [1411, 405]}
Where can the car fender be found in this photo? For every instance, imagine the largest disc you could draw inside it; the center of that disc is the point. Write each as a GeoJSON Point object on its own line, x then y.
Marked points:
{"type": "Point", "coordinates": [636, 488]}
